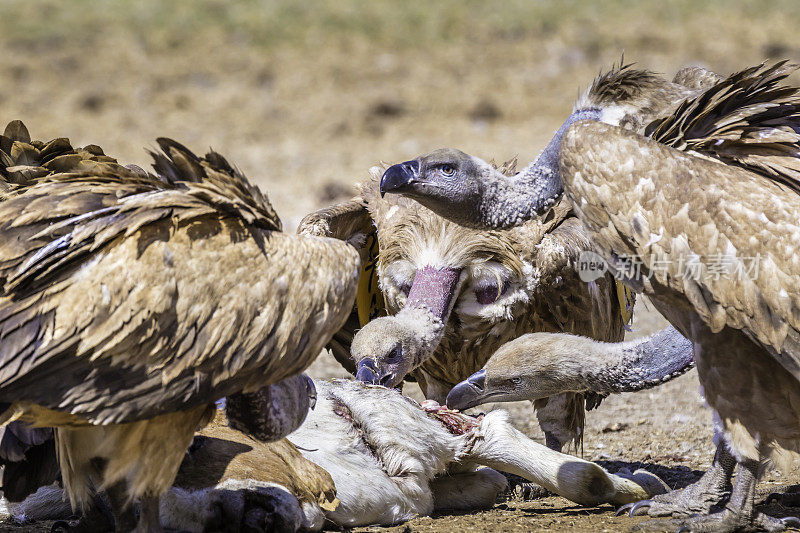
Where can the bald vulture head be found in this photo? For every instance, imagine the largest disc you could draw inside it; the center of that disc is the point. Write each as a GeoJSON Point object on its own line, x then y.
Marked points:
{"type": "Point", "coordinates": [539, 365]}
{"type": "Point", "coordinates": [274, 411]}
{"type": "Point", "coordinates": [390, 347]}
{"type": "Point", "coordinates": [446, 177]}
{"type": "Point", "coordinates": [466, 190]}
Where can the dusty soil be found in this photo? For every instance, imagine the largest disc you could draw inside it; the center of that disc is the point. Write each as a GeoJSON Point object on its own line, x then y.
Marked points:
{"type": "Point", "coordinates": [666, 430]}
{"type": "Point", "coordinates": [305, 97]}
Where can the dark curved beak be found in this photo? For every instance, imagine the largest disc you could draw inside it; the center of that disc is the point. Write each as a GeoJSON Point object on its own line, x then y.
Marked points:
{"type": "Point", "coordinates": [468, 393]}
{"type": "Point", "coordinates": [367, 372]}
{"type": "Point", "coordinates": [398, 177]}
{"type": "Point", "coordinates": [312, 393]}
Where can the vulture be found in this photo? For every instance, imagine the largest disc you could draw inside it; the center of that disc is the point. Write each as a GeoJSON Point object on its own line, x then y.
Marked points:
{"type": "Point", "coordinates": [539, 365]}
{"type": "Point", "coordinates": [696, 205]}
{"type": "Point", "coordinates": [453, 295]}
{"type": "Point", "coordinates": [231, 479]}
{"type": "Point", "coordinates": [366, 455]}
{"type": "Point", "coordinates": [132, 301]}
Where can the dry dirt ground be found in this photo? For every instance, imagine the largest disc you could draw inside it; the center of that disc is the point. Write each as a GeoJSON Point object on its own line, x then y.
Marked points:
{"type": "Point", "coordinates": [305, 97]}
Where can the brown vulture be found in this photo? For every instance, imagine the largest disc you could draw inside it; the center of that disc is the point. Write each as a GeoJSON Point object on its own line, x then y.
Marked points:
{"type": "Point", "coordinates": [132, 301]}
{"type": "Point", "coordinates": [696, 205]}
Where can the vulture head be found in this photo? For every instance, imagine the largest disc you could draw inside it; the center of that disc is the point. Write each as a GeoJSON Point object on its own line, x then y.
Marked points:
{"type": "Point", "coordinates": [443, 285]}
{"type": "Point", "coordinates": [446, 178]}
{"type": "Point", "coordinates": [274, 411]}
{"type": "Point", "coordinates": [539, 365]}
{"type": "Point", "coordinates": [466, 190]}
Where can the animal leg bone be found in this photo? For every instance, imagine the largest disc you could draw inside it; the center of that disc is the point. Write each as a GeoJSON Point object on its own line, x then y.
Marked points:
{"type": "Point", "coordinates": [498, 445]}
{"type": "Point", "coordinates": [697, 498]}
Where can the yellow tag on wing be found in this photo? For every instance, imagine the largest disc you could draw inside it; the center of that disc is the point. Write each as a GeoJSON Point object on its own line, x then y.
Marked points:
{"type": "Point", "coordinates": [369, 298]}
{"type": "Point", "coordinates": [626, 300]}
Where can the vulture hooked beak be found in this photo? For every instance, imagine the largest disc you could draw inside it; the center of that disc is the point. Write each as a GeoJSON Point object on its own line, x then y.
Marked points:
{"type": "Point", "coordinates": [312, 392]}
{"type": "Point", "coordinates": [368, 373]}
{"type": "Point", "coordinates": [469, 393]}
{"type": "Point", "coordinates": [397, 178]}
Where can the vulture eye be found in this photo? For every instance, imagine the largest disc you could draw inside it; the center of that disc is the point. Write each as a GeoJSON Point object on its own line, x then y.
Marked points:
{"type": "Point", "coordinates": [515, 381]}
{"type": "Point", "coordinates": [394, 356]}
{"type": "Point", "coordinates": [447, 170]}
{"type": "Point", "coordinates": [490, 292]}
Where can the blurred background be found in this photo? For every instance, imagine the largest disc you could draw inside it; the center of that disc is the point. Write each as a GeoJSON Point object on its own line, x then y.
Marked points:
{"type": "Point", "coordinates": [306, 96]}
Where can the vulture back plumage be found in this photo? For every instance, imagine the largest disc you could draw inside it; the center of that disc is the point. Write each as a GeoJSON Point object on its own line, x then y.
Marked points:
{"type": "Point", "coordinates": [131, 301]}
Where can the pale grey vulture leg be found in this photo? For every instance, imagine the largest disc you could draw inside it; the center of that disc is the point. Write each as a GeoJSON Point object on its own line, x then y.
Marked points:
{"type": "Point", "coordinates": [697, 498]}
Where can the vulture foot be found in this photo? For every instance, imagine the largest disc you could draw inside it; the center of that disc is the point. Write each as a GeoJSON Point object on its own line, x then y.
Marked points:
{"type": "Point", "coordinates": [739, 513]}
{"type": "Point", "coordinates": [97, 518]}
{"type": "Point", "coordinates": [698, 498]}
{"type": "Point", "coordinates": [729, 521]}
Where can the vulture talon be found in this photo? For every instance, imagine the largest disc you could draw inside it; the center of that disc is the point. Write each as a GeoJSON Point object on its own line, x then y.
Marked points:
{"type": "Point", "coordinates": [791, 521]}
{"type": "Point", "coordinates": [644, 505]}
{"type": "Point", "coordinates": [624, 509]}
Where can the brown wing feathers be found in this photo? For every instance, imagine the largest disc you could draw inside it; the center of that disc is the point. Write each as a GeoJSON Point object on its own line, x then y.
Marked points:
{"type": "Point", "coordinates": [54, 221]}
{"type": "Point", "coordinates": [748, 119]}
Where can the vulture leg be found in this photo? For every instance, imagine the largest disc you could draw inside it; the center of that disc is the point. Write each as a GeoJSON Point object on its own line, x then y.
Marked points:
{"type": "Point", "coordinates": [97, 517]}
{"type": "Point", "coordinates": [149, 521]}
{"type": "Point", "coordinates": [697, 498]}
{"type": "Point", "coordinates": [124, 516]}
{"type": "Point", "coordinates": [739, 513]}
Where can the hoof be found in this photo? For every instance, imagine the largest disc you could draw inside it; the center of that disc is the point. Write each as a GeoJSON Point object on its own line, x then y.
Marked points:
{"type": "Point", "coordinates": [786, 499]}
